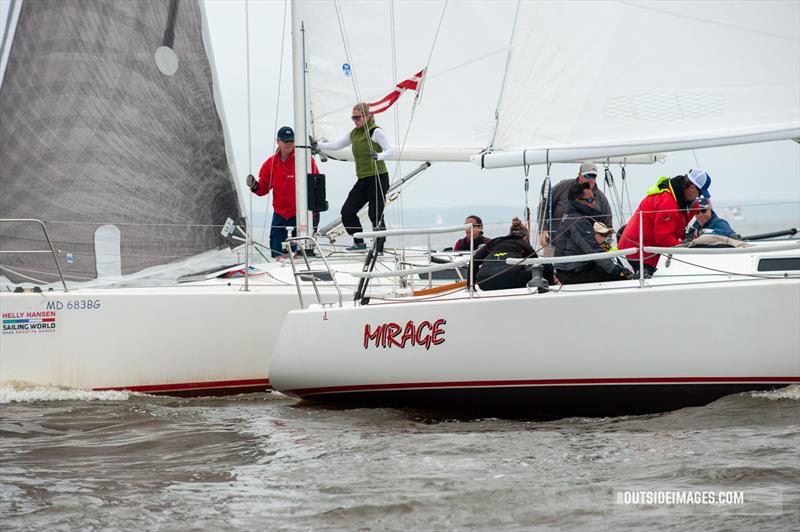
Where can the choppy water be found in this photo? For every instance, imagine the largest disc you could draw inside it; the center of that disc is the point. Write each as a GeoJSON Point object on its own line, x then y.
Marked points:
{"type": "Point", "coordinates": [128, 461]}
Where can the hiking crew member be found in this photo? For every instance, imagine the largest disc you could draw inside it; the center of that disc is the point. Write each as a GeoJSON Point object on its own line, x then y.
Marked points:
{"type": "Point", "coordinates": [371, 147]}
{"type": "Point", "coordinates": [666, 210]}
{"type": "Point", "coordinates": [277, 174]}
{"type": "Point", "coordinates": [576, 236]}
{"type": "Point", "coordinates": [707, 222]}
{"type": "Point", "coordinates": [478, 238]}
{"type": "Point", "coordinates": [558, 194]}
{"type": "Point", "coordinates": [491, 270]}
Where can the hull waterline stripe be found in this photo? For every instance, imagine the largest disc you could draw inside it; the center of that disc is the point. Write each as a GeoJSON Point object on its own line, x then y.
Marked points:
{"type": "Point", "coordinates": [541, 382]}
{"type": "Point", "coordinates": [190, 386]}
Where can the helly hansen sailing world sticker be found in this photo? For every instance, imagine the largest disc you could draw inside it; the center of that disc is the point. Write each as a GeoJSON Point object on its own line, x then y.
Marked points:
{"type": "Point", "coordinates": [29, 322]}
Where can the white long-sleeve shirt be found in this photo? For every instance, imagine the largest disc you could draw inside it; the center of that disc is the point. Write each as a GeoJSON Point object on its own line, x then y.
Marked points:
{"type": "Point", "coordinates": [378, 136]}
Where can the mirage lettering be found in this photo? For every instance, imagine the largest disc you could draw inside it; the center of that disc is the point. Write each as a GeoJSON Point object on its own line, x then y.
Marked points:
{"type": "Point", "coordinates": [387, 335]}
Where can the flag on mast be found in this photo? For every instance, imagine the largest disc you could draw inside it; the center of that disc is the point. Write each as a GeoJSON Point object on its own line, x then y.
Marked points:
{"type": "Point", "coordinates": [414, 83]}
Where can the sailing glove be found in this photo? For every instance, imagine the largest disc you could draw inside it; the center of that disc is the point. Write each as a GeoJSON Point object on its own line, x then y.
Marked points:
{"type": "Point", "coordinates": [374, 156]}
{"type": "Point", "coordinates": [252, 182]}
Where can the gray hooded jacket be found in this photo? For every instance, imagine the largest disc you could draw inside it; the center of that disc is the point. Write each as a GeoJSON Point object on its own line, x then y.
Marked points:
{"type": "Point", "coordinates": [576, 237]}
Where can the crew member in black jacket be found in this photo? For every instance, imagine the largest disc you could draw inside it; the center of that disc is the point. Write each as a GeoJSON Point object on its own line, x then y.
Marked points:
{"type": "Point", "coordinates": [491, 270]}
{"type": "Point", "coordinates": [576, 236]}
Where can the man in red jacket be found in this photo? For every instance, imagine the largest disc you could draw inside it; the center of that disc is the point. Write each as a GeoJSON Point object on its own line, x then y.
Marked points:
{"type": "Point", "coordinates": [277, 174]}
{"type": "Point", "coordinates": [665, 212]}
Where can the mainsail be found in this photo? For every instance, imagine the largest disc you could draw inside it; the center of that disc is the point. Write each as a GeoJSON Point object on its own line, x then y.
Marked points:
{"type": "Point", "coordinates": [613, 74]}
{"type": "Point", "coordinates": [93, 134]}
{"type": "Point", "coordinates": [558, 78]}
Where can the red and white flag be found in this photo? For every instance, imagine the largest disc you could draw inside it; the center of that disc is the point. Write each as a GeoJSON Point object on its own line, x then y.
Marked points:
{"type": "Point", "coordinates": [414, 83]}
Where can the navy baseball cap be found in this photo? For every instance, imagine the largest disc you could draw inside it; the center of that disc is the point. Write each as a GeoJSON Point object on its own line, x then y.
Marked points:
{"type": "Point", "coordinates": [286, 134]}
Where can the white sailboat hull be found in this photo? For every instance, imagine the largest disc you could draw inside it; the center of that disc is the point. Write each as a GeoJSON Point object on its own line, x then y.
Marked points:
{"type": "Point", "coordinates": [197, 338]}
{"type": "Point", "coordinates": [587, 350]}
{"type": "Point", "coordinates": [201, 340]}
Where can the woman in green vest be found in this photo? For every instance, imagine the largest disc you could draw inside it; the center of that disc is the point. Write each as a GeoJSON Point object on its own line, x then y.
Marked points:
{"type": "Point", "coordinates": [371, 147]}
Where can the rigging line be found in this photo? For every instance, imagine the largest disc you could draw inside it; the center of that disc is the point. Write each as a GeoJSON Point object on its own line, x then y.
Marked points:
{"type": "Point", "coordinates": [505, 77]}
{"type": "Point", "coordinates": [248, 227]}
{"type": "Point", "coordinates": [247, 73]}
{"type": "Point", "coordinates": [421, 87]}
{"type": "Point", "coordinates": [754, 275]}
{"type": "Point", "coordinates": [623, 171]}
{"type": "Point", "coordinates": [696, 161]}
{"type": "Point", "coordinates": [393, 39]}
{"type": "Point", "coordinates": [436, 35]}
{"type": "Point", "coordinates": [711, 22]}
{"type": "Point", "coordinates": [275, 122]}
{"type": "Point", "coordinates": [69, 277]}
{"type": "Point", "coordinates": [346, 45]}
{"type": "Point", "coordinates": [613, 192]}
{"type": "Point", "coordinates": [335, 111]}
{"type": "Point", "coordinates": [353, 73]}
{"type": "Point", "coordinates": [400, 215]}
{"type": "Point", "coordinates": [425, 77]}
{"type": "Point", "coordinates": [6, 38]}
{"type": "Point", "coordinates": [365, 126]}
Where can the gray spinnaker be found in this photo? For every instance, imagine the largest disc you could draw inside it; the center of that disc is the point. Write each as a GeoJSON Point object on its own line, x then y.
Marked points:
{"type": "Point", "coordinates": [92, 133]}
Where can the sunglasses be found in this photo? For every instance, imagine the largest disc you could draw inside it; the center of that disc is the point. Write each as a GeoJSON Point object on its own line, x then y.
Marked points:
{"type": "Point", "coordinates": [590, 176]}
{"type": "Point", "coordinates": [587, 200]}
{"type": "Point", "coordinates": [703, 211]}
{"type": "Point", "coordinates": [356, 117]}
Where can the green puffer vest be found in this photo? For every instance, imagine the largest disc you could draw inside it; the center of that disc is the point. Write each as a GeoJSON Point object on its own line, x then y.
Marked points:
{"type": "Point", "coordinates": [365, 166]}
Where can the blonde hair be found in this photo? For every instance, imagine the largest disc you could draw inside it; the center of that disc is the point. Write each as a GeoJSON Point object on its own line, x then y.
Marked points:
{"type": "Point", "coordinates": [363, 108]}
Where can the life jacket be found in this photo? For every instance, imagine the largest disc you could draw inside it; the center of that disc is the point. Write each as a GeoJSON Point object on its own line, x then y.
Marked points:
{"type": "Point", "coordinates": [365, 164]}
{"type": "Point", "coordinates": [664, 221]}
{"type": "Point", "coordinates": [660, 188]}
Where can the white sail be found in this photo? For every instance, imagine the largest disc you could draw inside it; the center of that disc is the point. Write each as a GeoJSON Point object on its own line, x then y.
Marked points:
{"type": "Point", "coordinates": [627, 73]}
{"type": "Point", "coordinates": [593, 74]}
{"type": "Point", "coordinates": [460, 93]}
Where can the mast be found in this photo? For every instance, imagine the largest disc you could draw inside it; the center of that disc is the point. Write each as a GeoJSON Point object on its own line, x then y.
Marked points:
{"type": "Point", "coordinates": [301, 156]}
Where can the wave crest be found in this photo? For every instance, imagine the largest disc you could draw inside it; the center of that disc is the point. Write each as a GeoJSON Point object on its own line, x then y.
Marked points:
{"type": "Point", "coordinates": [790, 392]}
{"type": "Point", "coordinates": [23, 392]}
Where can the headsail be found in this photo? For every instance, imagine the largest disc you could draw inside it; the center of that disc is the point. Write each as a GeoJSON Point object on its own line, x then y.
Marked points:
{"type": "Point", "coordinates": [92, 133]}
{"type": "Point", "coordinates": [467, 58]}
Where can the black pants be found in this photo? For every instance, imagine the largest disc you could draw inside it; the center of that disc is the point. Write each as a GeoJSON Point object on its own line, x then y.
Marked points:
{"type": "Point", "coordinates": [370, 190]}
{"type": "Point", "coordinates": [497, 275]}
{"type": "Point", "coordinates": [648, 270]}
{"type": "Point", "coordinates": [591, 274]}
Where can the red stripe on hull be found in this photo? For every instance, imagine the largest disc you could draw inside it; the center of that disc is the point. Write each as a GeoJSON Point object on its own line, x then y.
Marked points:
{"type": "Point", "coordinates": [199, 388]}
{"type": "Point", "coordinates": [540, 382]}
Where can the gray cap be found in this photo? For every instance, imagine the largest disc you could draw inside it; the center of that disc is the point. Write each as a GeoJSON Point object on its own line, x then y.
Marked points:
{"type": "Point", "coordinates": [588, 168]}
